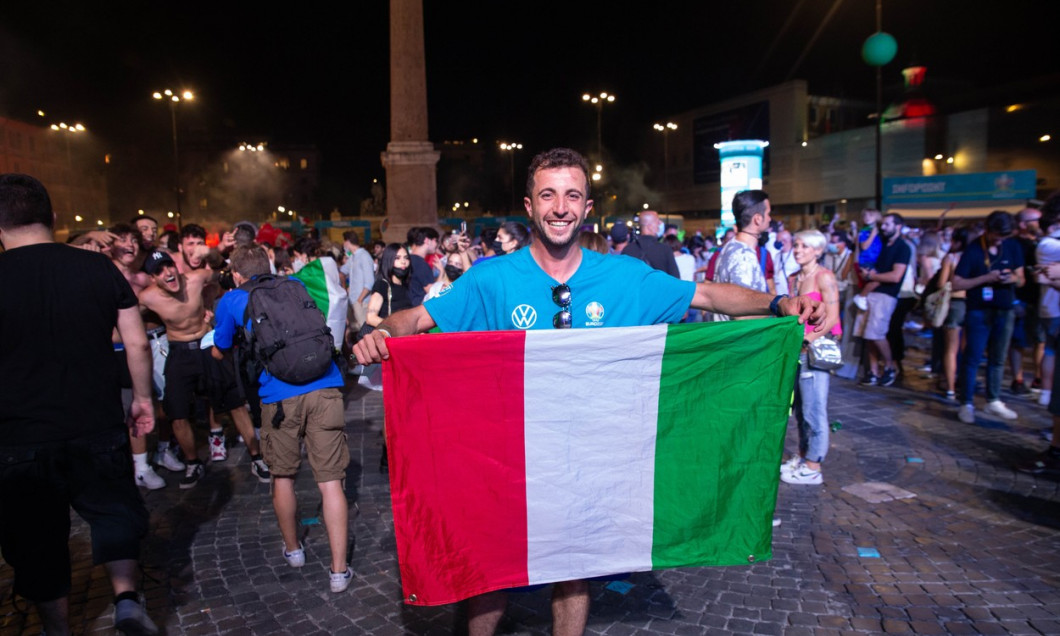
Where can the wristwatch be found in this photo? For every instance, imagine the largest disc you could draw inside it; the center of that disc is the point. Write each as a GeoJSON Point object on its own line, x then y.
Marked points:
{"type": "Point", "coordinates": [774, 305]}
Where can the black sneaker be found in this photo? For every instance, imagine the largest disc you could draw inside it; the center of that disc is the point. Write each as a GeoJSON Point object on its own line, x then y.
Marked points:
{"type": "Point", "coordinates": [131, 619]}
{"type": "Point", "coordinates": [888, 377]}
{"type": "Point", "coordinates": [1019, 388]}
{"type": "Point", "coordinates": [192, 474]}
{"type": "Point", "coordinates": [1047, 462]}
{"type": "Point", "coordinates": [870, 380]}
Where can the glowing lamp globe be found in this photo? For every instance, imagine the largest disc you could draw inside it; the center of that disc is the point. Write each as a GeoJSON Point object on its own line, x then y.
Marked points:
{"type": "Point", "coordinates": [879, 49]}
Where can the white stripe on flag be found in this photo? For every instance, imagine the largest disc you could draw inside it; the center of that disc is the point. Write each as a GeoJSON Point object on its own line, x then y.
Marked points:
{"type": "Point", "coordinates": [590, 396]}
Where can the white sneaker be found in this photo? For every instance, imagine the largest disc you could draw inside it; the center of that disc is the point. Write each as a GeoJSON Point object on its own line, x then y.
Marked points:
{"type": "Point", "coordinates": [998, 408]}
{"type": "Point", "coordinates": [168, 459]}
{"type": "Point", "coordinates": [1044, 397]}
{"type": "Point", "coordinates": [802, 475]}
{"type": "Point", "coordinates": [295, 558]}
{"type": "Point", "coordinates": [218, 452]}
{"type": "Point", "coordinates": [966, 414]}
{"type": "Point", "coordinates": [149, 479]}
{"type": "Point", "coordinates": [341, 581]}
{"type": "Point", "coordinates": [791, 464]}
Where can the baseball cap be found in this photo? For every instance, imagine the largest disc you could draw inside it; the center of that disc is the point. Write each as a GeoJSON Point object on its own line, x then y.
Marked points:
{"type": "Point", "coordinates": [156, 260]}
{"type": "Point", "coordinates": [619, 233]}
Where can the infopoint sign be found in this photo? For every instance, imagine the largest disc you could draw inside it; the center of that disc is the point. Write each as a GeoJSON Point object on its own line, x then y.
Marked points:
{"type": "Point", "coordinates": [741, 169]}
{"type": "Point", "coordinates": [974, 186]}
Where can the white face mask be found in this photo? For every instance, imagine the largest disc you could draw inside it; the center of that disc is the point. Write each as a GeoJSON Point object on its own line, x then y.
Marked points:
{"type": "Point", "coordinates": [661, 231]}
{"type": "Point", "coordinates": [297, 265]}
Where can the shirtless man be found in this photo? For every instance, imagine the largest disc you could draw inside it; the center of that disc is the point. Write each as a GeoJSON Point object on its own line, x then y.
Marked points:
{"type": "Point", "coordinates": [178, 300]}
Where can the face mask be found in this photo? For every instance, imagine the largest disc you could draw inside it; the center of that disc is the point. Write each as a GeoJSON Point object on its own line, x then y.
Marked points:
{"type": "Point", "coordinates": [453, 272]}
{"type": "Point", "coordinates": [833, 248]}
{"type": "Point", "coordinates": [778, 245]}
{"type": "Point", "coordinates": [497, 249]}
{"type": "Point", "coordinates": [297, 265]}
{"type": "Point", "coordinates": [400, 272]}
{"type": "Point", "coordinates": [661, 231]}
{"type": "Point", "coordinates": [763, 239]}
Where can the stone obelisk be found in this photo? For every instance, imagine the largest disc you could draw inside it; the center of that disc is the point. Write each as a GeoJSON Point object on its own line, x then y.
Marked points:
{"type": "Point", "coordinates": [410, 159]}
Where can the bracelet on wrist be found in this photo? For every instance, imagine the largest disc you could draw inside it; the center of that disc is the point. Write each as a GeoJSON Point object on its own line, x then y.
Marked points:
{"type": "Point", "coordinates": [384, 331]}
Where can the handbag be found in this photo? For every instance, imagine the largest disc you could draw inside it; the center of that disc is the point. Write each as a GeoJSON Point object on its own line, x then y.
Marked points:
{"type": "Point", "coordinates": [937, 305]}
{"type": "Point", "coordinates": [824, 354]}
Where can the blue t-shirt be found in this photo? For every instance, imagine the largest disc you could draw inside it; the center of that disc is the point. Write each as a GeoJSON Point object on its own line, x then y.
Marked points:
{"type": "Point", "coordinates": [975, 261]}
{"type": "Point", "coordinates": [228, 316]}
{"type": "Point", "coordinates": [867, 257]}
{"type": "Point", "coordinates": [515, 293]}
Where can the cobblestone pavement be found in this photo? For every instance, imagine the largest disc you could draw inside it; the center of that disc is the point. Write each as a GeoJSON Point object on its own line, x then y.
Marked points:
{"type": "Point", "coordinates": [973, 548]}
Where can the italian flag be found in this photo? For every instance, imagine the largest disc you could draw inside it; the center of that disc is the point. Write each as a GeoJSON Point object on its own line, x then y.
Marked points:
{"type": "Point", "coordinates": [322, 281]}
{"type": "Point", "coordinates": [519, 458]}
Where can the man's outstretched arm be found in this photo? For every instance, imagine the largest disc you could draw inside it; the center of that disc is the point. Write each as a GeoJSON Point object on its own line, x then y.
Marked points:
{"type": "Point", "coordinates": [372, 348]}
{"type": "Point", "coordinates": [734, 300]}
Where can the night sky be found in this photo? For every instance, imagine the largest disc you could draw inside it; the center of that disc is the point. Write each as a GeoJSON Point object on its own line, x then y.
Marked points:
{"type": "Point", "coordinates": [317, 73]}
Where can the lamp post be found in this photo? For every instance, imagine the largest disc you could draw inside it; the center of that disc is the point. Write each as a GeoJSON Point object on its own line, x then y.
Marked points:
{"type": "Point", "coordinates": [878, 50]}
{"type": "Point", "coordinates": [598, 102]}
{"type": "Point", "coordinates": [510, 149]}
{"type": "Point", "coordinates": [174, 99]}
{"type": "Point", "coordinates": [665, 130]}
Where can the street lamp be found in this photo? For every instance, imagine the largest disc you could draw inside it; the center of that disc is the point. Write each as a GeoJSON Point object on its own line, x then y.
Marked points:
{"type": "Point", "coordinates": [510, 149]}
{"type": "Point", "coordinates": [878, 50]}
{"type": "Point", "coordinates": [665, 130]}
{"type": "Point", "coordinates": [598, 102]}
{"type": "Point", "coordinates": [174, 99]}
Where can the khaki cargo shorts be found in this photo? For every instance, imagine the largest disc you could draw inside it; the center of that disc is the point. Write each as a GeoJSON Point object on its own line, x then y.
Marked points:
{"type": "Point", "coordinates": [317, 417]}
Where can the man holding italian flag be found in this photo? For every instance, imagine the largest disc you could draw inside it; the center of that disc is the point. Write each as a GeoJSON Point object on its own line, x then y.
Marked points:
{"type": "Point", "coordinates": [555, 284]}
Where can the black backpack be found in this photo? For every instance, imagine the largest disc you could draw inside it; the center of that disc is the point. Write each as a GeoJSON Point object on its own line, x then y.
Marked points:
{"type": "Point", "coordinates": [288, 334]}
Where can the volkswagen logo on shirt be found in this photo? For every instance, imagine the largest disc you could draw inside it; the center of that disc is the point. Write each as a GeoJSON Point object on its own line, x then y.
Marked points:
{"type": "Point", "coordinates": [524, 316]}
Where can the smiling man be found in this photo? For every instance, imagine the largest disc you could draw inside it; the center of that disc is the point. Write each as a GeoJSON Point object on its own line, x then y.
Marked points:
{"type": "Point", "coordinates": [557, 284]}
{"type": "Point", "coordinates": [178, 300]}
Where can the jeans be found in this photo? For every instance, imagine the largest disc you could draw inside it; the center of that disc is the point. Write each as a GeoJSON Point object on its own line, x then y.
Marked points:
{"type": "Point", "coordinates": [811, 411]}
{"type": "Point", "coordinates": [989, 329]}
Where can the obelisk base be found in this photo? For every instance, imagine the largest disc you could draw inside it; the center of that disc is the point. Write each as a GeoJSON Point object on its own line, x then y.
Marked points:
{"type": "Point", "coordinates": [410, 187]}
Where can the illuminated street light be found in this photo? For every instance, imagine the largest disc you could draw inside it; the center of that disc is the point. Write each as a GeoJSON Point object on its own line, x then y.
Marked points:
{"type": "Point", "coordinates": [1045, 138]}
{"type": "Point", "coordinates": [598, 102]}
{"type": "Point", "coordinates": [665, 129]}
{"type": "Point", "coordinates": [510, 148]}
{"type": "Point", "coordinates": [174, 99]}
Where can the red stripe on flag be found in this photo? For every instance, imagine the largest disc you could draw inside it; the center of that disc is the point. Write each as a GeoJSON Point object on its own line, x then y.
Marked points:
{"type": "Point", "coordinates": [459, 517]}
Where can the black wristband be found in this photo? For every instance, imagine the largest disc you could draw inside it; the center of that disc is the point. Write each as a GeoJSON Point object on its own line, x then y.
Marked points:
{"type": "Point", "coordinates": [774, 305]}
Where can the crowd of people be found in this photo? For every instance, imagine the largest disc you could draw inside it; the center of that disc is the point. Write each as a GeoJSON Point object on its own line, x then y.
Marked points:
{"type": "Point", "coordinates": [177, 316]}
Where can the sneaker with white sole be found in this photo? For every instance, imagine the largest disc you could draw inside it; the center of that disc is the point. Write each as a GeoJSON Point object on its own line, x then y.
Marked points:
{"type": "Point", "coordinates": [296, 558]}
{"type": "Point", "coordinates": [998, 408]}
{"type": "Point", "coordinates": [791, 464]}
{"type": "Point", "coordinates": [803, 475]}
{"type": "Point", "coordinates": [168, 459]}
{"type": "Point", "coordinates": [131, 618]}
{"type": "Point", "coordinates": [218, 452]}
{"type": "Point", "coordinates": [149, 479]}
{"type": "Point", "coordinates": [1044, 396]}
{"type": "Point", "coordinates": [966, 414]}
{"type": "Point", "coordinates": [341, 581]}
{"type": "Point", "coordinates": [260, 470]}
{"type": "Point", "coordinates": [192, 475]}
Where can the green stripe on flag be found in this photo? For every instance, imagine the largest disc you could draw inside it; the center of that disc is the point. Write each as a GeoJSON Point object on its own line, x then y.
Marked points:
{"type": "Point", "coordinates": [722, 417]}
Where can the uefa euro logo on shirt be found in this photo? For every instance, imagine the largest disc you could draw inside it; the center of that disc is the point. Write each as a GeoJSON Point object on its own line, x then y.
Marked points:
{"type": "Point", "coordinates": [594, 311]}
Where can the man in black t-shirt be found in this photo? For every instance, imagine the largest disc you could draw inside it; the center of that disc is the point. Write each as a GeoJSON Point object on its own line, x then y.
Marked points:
{"type": "Point", "coordinates": [873, 324]}
{"type": "Point", "coordinates": [63, 434]}
{"type": "Point", "coordinates": [646, 245]}
{"type": "Point", "coordinates": [1027, 330]}
{"type": "Point", "coordinates": [990, 269]}
{"type": "Point", "coordinates": [422, 241]}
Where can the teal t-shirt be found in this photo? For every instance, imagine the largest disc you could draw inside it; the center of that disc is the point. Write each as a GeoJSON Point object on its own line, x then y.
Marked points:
{"type": "Point", "coordinates": [513, 292]}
